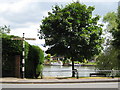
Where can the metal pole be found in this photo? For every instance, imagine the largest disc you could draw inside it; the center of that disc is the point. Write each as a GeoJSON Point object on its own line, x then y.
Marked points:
{"type": "Point", "coordinates": [23, 60]}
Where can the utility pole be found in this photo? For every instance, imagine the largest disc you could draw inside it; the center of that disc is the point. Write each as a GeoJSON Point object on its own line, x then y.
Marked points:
{"type": "Point", "coordinates": [23, 52]}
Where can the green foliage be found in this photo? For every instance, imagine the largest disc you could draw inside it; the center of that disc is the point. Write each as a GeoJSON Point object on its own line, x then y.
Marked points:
{"type": "Point", "coordinates": [34, 62]}
{"type": "Point", "coordinates": [39, 70]}
{"type": "Point", "coordinates": [71, 31]}
{"type": "Point", "coordinates": [11, 46]}
{"type": "Point", "coordinates": [4, 29]}
{"type": "Point", "coordinates": [84, 61]}
{"type": "Point", "coordinates": [34, 56]}
{"type": "Point", "coordinates": [113, 20]}
{"type": "Point", "coordinates": [109, 60]}
{"type": "Point", "coordinates": [116, 34]}
{"type": "Point", "coordinates": [29, 66]}
{"type": "Point", "coordinates": [9, 50]}
{"type": "Point", "coordinates": [26, 49]}
{"type": "Point", "coordinates": [48, 57]}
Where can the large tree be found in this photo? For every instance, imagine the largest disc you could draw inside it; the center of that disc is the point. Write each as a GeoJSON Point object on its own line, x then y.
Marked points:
{"type": "Point", "coordinates": [113, 20]}
{"type": "Point", "coordinates": [72, 31]}
{"type": "Point", "coordinates": [110, 59]}
{"type": "Point", "coordinates": [116, 33]}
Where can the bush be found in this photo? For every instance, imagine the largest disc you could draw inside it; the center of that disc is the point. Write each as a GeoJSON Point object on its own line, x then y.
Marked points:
{"type": "Point", "coordinates": [34, 62]}
{"type": "Point", "coordinates": [108, 60]}
{"type": "Point", "coordinates": [34, 57]}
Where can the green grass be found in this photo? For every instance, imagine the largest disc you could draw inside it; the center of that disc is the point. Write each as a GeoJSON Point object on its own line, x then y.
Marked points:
{"type": "Point", "coordinates": [90, 63]}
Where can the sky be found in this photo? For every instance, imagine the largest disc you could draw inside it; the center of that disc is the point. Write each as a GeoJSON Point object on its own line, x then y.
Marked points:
{"type": "Point", "coordinates": [24, 16]}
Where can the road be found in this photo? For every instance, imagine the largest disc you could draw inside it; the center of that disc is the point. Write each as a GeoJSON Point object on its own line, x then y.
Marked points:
{"type": "Point", "coordinates": [62, 85]}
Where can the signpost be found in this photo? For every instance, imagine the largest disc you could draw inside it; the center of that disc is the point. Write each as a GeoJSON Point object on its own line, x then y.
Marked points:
{"type": "Point", "coordinates": [23, 52]}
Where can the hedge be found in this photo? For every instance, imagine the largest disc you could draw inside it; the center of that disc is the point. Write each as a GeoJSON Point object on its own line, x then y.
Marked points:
{"type": "Point", "coordinates": [34, 56]}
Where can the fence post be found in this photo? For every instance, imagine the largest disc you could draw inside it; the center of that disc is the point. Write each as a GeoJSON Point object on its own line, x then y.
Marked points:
{"type": "Point", "coordinates": [76, 72]}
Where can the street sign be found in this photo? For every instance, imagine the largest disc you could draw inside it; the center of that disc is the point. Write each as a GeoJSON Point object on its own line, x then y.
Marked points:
{"type": "Point", "coordinates": [30, 38]}
{"type": "Point", "coordinates": [23, 60]}
{"type": "Point", "coordinates": [23, 39]}
{"type": "Point", "coordinates": [17, 39]}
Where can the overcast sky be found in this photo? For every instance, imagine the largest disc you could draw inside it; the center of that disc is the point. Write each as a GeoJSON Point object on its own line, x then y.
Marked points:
{"type": "Point", "coordinates": [24, 16]}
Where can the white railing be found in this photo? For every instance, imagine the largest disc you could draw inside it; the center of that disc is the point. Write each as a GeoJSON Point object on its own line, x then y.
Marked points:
{"type": "Point", "coordinates": [82, 73]}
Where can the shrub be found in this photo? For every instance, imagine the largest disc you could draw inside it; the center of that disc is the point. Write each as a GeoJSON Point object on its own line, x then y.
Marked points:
{"type": "Point", "coordinates": [34, 62]}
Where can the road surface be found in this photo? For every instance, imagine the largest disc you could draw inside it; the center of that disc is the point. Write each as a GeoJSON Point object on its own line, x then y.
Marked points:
{"type": "Point", "coordinates": [62, 85]}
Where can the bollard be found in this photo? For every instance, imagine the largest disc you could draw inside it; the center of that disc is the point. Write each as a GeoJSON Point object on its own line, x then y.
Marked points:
{"type": "Point", "coordinates": [76, 72]}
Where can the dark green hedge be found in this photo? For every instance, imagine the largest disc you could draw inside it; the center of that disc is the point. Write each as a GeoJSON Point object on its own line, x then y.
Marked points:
{"type": "Point", "coordinates": [34, 56]}
{"type": "Point", "coordinates": [34, 62]}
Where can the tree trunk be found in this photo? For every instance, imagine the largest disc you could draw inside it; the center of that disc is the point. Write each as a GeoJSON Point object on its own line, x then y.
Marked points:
{"type": "Point", "coordinates": [73, 73]}
{"type": "Point", "coordinates": [64, 61]}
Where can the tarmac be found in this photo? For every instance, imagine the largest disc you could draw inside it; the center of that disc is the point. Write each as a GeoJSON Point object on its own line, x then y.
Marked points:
{"type": "Point", "coordinates": [10, 80]}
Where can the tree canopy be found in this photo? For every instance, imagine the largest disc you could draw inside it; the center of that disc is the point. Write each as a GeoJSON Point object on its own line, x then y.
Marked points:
{"type": "Point", "coordinates": [116, 33]}
{"type": "Point", "coordinates": [4, 29]}
{"type": "Point", "coordinates": [110, 18]}
{"type": "Point", "coordinates": [113, 20]}
{"type": "Point", "coordinates": [72, 31]}
{"type": "Point", "coordinates": [110, 59]}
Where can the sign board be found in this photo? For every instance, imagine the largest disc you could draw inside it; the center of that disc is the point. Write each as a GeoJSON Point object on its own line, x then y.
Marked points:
{"type": "Point", "coordinates": [30, 38]}
{"type": "Point", "coordinates": [17, 39]}
{"type": "Point", "coordinates": [23, 38]}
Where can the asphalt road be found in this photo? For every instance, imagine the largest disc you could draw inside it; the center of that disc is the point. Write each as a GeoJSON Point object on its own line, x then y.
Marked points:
{"type": "Point", "coordinates": [62, 85]}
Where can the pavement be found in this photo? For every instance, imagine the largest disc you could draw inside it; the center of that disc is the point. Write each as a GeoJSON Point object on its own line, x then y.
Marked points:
{"type": "Point", "coordinates": [10, 80]}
